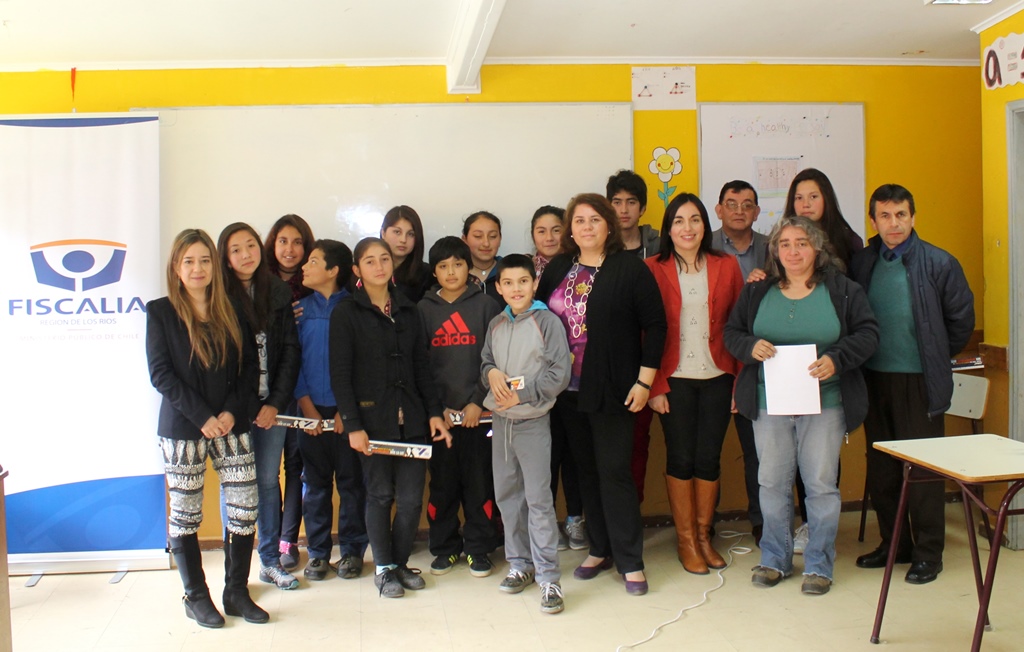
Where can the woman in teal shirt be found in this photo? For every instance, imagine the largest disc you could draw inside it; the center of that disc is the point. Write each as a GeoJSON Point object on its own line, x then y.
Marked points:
{"type": "Point", "coordinates": [806, 299]}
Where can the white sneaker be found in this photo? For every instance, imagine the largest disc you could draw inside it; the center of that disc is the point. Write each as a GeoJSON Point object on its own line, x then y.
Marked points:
{"type": "Point", "coordinates": [800, 537]}
{"type": "Point", "coordinates": [551, 601]}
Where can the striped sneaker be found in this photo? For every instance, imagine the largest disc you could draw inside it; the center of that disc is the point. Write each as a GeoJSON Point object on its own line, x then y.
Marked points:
{"type": "Point", "coordinates": [279, 577]}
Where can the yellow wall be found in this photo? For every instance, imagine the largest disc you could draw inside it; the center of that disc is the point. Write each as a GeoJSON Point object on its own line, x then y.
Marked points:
{"type": "Point", "coordinates": [996, 227]}
{"type": "Point", "coordinates": [922, 126]}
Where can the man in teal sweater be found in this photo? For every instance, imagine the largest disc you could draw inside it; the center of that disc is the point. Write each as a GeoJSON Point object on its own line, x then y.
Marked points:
{"type": "Point", "coordinates": [925, 313]}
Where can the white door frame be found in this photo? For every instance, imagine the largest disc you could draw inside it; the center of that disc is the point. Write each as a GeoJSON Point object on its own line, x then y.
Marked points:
{"type": "Point", "coordinates": [1015, 353]}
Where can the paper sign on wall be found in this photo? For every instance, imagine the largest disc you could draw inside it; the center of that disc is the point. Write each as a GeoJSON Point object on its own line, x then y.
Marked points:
{"type": "Point", "coordinates": [665, 88]}
{"type": "Point", "coordinates": [1001, 63]}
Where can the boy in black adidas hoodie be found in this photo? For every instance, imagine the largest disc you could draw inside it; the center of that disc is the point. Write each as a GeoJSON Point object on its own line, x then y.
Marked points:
{"type": "Point", "coordinates": [456, 314]}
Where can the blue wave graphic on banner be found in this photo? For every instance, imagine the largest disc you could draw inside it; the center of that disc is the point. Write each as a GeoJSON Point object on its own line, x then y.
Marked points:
{"type": "Point", "coordinates": [110, 514]}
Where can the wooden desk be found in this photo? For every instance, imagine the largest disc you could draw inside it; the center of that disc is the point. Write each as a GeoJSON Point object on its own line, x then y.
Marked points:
{"type": "Point", "coordinates": [968, 460]}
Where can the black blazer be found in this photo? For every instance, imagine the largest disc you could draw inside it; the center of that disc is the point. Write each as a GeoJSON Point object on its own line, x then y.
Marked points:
{"type": "Point", "coordinates": [192, 394]}
{"type": "Point", "coordinates": [625, 327]}
{"type": "Point", "coordinates": [379, 364]}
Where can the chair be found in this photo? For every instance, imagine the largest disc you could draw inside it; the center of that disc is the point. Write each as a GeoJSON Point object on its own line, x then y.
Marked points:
{"type": "Point", "coordinates": [970, 398]}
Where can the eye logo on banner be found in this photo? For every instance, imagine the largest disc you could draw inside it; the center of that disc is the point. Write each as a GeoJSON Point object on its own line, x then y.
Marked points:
{"type": "Point", "coordinates": [78, 265]}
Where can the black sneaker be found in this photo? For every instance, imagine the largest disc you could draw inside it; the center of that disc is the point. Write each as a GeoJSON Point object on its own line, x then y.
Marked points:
{"type": "Point", "coordinates": [316, 569]}
{"type": "Point", "coordinates": [442, 564]}
{"type": "Point", "coordinates": [350, 567]}
{"type": "Point", "coordinates": [479, 565]}
{"type": "Point", "coordinates": [409, 578]}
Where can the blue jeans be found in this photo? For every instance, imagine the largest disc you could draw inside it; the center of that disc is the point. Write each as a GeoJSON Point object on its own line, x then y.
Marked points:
{"type": "Point", "coordinates": [811, 443]}
{"type": "Point", "coordinates": [268, 446]}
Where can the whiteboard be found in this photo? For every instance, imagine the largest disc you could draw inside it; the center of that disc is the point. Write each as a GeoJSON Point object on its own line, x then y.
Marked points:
{"type": "Point", "coordinates": [767, 144]}
{"type": "Point", "coordinates": [343, 167]}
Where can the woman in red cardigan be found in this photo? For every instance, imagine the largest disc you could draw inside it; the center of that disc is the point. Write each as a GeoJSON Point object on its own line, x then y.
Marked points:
{"type": "Point", "coordinates": [692, 391]}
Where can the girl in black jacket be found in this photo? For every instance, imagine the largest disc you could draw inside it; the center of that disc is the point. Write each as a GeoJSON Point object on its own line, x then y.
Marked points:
{"type": "Point", "coordinates": [380, 375]}
{"type": "Point", "coordinates": [266, 308]}
{"type": "Point", "coordinates": [202, 361]}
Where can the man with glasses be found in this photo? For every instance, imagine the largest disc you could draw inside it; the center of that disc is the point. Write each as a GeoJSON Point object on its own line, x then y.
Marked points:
{"type": "Point", "coordinates": [738, 210]}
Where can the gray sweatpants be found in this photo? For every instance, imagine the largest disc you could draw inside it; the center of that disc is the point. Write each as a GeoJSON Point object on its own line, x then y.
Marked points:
{"type": "Point", "coordinates": [521, 457]}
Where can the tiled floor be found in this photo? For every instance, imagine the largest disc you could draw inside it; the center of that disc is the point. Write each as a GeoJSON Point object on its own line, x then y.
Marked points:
{"type": "Point", "coordinates": [458, 612]}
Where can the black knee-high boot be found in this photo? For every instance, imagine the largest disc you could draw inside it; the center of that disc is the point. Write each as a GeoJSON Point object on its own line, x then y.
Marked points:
{"type": "Point", "coordinates": [198, 605]}
{"type": "Point", "coordinates": [237, 561]}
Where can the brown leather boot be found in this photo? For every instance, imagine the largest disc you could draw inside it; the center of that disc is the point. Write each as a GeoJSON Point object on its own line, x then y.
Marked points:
{"type": "Point", "coordinates": [680, 497]}
{"type": "Point", "coordinates": [706, 496]}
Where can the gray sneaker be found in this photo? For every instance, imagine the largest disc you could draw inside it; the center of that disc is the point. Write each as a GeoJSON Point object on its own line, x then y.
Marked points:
{"type": "Point", "coordinates": [388, 584]}
{"type": "Point", "coordinates": [278, 576]}
{"type": "Point", "coordinates": [289, 555]}
{"type": "Point", "coordinates": [350, 567]}
{"type": "Point", "coordinates": [563, 539]}
{"type": "Point", "coordinates": [551, 601]}
{"type": "Point", "coordinates": [576, 528]}
{"type": "Point", "coordinates": [409, 578]}
{"type": "Point", "coordinates": [516, 581]}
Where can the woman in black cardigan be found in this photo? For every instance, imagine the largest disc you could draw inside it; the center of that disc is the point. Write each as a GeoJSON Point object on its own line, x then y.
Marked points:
{"type": "Point", "coordinates": [266, 303]}
{"type": "Point", "coordinates": [612, 310]}
{"type": "Point", "coordinates": [203, 361]}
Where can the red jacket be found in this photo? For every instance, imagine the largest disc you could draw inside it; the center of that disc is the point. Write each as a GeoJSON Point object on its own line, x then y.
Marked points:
{"type": "Point", "coordinates": [725, 280]}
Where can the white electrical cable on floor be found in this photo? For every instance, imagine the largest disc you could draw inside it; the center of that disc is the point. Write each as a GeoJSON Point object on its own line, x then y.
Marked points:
{"type": "Point", "coordinates": [734, 549]}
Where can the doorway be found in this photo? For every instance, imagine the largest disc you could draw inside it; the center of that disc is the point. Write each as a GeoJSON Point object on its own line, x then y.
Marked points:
{"type": "Point", "coordinates": [1015, 178]}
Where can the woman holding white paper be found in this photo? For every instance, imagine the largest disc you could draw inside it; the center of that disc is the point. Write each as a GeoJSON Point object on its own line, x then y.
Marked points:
{"type": "Point", "coordinates": [806, 299]}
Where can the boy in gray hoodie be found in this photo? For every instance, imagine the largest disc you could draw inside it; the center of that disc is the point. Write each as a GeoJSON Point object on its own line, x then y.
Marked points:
{"type": "Point", "coordinates": [525, 367]}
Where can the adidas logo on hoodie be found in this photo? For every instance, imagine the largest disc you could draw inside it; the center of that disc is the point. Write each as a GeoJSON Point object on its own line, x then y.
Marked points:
{"type": "Point", "coordinates": [453, 332]}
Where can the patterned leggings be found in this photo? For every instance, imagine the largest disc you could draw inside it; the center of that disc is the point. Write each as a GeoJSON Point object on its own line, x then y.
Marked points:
{"type": "Point", "coordinates": [185, 470]}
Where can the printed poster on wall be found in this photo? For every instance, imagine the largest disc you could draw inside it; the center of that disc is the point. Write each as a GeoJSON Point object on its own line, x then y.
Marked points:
{"type": "Point", "coordinates": [80, 204]}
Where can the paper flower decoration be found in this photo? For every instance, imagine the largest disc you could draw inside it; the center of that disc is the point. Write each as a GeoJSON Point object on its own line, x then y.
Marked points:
{"type": "Point", "coordinates": [666, 165]}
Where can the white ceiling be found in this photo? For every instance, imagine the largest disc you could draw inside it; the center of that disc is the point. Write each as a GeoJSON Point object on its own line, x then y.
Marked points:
{"type": "Point", "coordinates": [95, 34]}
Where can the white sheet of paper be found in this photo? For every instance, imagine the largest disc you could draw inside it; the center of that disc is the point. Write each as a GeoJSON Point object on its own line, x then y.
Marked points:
{"type": "Point", "coordinates": [788, 385]}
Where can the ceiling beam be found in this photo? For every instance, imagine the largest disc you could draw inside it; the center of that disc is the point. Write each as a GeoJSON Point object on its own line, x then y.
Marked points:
{"type": "Point", "coordinates": [471, 36]}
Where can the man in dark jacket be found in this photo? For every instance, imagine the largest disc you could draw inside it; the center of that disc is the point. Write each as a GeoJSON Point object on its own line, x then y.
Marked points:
{"type": "Point", "coordinates": [925, 312]}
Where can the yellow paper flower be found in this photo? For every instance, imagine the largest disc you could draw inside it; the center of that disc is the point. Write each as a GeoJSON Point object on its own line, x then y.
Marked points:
{"type": "Point", "coordinates": [666, 163]}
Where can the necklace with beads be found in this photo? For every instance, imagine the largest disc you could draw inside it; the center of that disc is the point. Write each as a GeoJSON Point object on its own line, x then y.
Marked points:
{"type": "Point", "coordinates": [576, 308]}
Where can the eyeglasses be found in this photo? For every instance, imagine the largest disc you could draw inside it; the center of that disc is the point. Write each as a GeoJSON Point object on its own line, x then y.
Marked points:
{"type": "Point", "coordinates": [746, 207]}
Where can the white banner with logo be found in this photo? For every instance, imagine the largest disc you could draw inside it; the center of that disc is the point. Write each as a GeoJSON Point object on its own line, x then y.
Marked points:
{"type": "Point", "coordinates": [80, 215]}
{"type": "Point", "coordinates": [1003, 62]}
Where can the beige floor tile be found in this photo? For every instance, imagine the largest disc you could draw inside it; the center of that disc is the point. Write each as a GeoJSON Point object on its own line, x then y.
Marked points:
{"type": "Point", "coordinates": [457, 612]}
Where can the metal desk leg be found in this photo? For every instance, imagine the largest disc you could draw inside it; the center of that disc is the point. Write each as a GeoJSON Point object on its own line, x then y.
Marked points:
{"type": "Point", "coordinates": [972, 541]}
{"type": "Point", "coordinates": [993, 559]}
{"type": "Point", "coordinates": [901, 512]}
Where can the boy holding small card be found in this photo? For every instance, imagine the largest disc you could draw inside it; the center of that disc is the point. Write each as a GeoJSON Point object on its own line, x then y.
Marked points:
{"type": "Point", "coordinates": [525, 367]}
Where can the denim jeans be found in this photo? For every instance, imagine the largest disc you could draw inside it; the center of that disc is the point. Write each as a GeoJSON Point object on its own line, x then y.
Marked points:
{"type": "Point", "coordinates": [268, 446]}
{"type": "Point", "coordinates": [811, 443]}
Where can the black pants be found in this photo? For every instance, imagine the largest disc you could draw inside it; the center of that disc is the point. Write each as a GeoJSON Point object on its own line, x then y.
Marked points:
{"type": "Point", "coordinates": [898, 409]}
{"type": "Point", "coordinates": [393, 482]}
{"type": "Point", "coordinates": [695, 426]}
{"type": "Point", "coordinates": [461, 476]}
{"type": "Point", "coordinates": [563, 465]}
{"type": "Point", "coordinates": [745, 432]}
{"type": "Point", "coordinates": [291, 504]}
{"type": "Point", "coordinates": [602, 445]}
{"type": "Point", "coordinates": [328, 459]}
